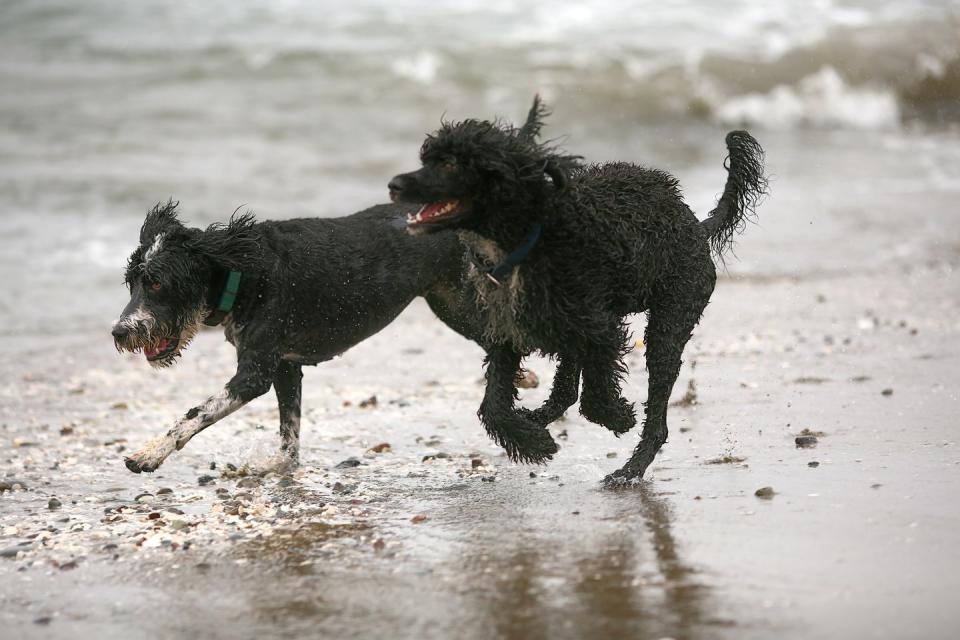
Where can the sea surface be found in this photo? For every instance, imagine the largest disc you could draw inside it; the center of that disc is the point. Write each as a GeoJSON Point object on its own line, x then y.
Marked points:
{"type": "Point", "coordinates": [308, 108]}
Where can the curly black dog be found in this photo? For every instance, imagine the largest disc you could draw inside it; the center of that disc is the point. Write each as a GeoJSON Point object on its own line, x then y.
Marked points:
{"type": "Point", "coordinates": [562, 254]}
{"type": "Point", "coordinates": [288, 293]}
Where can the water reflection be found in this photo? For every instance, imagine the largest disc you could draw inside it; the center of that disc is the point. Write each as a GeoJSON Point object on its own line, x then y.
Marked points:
{"type": "Point", "coordinates": [627, 579]}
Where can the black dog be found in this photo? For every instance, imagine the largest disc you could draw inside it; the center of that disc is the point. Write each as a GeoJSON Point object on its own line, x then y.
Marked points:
{"type": "Point", "coordinates": [289, 293]}
{"type": "Point", "coordinates": [587, 247]}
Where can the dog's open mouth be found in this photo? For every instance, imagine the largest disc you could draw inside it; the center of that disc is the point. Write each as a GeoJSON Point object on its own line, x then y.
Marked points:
{"type": "Point", "coordinates": [161, 349]}
{"type": "Point", "coordinates": [434, 213]}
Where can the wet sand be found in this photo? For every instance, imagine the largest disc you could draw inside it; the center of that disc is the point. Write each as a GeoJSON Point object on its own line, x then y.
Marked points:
{"type": "Point", "coordinates": [858, 540]}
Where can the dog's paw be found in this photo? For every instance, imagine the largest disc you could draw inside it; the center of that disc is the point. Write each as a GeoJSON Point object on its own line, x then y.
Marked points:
{"type": "Point", "coordinates": [150, 457]}
{"type": "Point", "coordinates": [540, 416]}
{"type": "Point", "coordinates": [622, 479]}
{"type": "Point", "coordinates": [617, 416]}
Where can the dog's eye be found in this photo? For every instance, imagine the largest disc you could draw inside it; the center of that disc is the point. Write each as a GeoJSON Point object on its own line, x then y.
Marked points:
{"type": "Point", "coordinates": [448, 166]}
{"type": "Point", "coordinates": [155, 286]}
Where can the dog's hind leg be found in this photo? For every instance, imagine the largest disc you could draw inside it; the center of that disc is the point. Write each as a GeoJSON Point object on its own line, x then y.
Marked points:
{"type": "Point", "coordinates": [668, 329]}
{"type": "Point", "coordinates": [287, 383]}
{"type": "Point", "coordinates": [523, 440]}
{"type": "Point", "coordinates": [603, 372]}
{"type": "Point", "coordinates": [565, 390]}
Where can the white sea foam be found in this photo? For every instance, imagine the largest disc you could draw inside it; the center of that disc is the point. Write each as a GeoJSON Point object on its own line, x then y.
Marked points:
{"type": "Point", "coordinates": [823, 99]}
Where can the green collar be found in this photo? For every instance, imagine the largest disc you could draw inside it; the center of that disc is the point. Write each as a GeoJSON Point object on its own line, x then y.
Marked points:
{"type": "Point", "coordinates": [227, 298]}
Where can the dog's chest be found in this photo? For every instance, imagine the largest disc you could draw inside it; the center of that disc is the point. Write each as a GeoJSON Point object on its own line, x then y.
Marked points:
{"type": "Point", "coordinates": [501, 304]}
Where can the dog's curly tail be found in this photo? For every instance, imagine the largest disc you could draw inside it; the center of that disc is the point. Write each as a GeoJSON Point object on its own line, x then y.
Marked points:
{"type": "Point", "coordinates": [746, 186]}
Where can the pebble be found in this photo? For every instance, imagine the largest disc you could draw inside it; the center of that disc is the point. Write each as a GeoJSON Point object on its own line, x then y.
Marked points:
{"type": "Point", "coordinates": [43, 621]}
{"type": "Point", "coordinates": [887, 392]}
{"type": "Point", "coordinates": [144, 498]}
{"type": "Point", "coordinates": [805, 442]}
{"type": "Point", "coordinates": [380, 448]}
{"type": "Point", "coordinates": [204, 480]}
{"type": "Point", "coordinates": [11, 552]}
{"type": "Point", "coordinates": [162, 491]}
{"type": "Point", "coordinates": [286, 481]}
{"type": "Point", "coordinates": [249, 482]}
{"type": "Point", "coordinates": [53, 503]}
{"type": "Point", "coordinates": [476, 462]}
{"type": "Point", "coordinates": [527, 379]}
{"type": "Point", "coordinates": [349, 463]}
{"type": "Point", "coordinates": [813, 464]}
{"type": "Point", "coordinates": [764, 492]}
{"type": "Point", "coordinates": [177, 525]}
{"type": "Point", "coordinates": [417, 519]}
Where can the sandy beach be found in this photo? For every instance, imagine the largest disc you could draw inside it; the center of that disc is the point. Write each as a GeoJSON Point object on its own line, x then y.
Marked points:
{"type": "Point", "coordinates": [836, 323]}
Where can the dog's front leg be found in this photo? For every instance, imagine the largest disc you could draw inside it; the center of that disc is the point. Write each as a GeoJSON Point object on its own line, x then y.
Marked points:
{"type": "Point", "coordinates": [253, 379]}
{"type": "Point", "coordinates": [566, 389]}
{"type": "Point", "coordinates": [524, 440]}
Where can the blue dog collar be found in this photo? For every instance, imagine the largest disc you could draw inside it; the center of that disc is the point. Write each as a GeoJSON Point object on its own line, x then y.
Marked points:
{"type": "Point", "coordinates": [502, 270]}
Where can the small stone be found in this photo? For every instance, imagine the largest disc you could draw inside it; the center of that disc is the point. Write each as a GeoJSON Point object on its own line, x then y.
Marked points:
{"type": "Point", "coordinates": [349, 463]}
{"type": "Point", "coordinates": [231, 467]}
{"type": "Point", "coordinates": [154, 516]}
{"type": "Point", "coordinates": [533, 474]}
{"type": "Point", "coordinates": [204, 480]}
{"type": "Point", "coordinates": [222, 490]}
{"type": "Point", "coordinates": [612, 454]}
{"type": "Point", "coordinates": [562, 435]}
{"type": "Point", "coordinates": [369, 403]}
{"type": "Point", "coordinates": [813, 464]}
{"type": "Point", "coordinates": [286, 481]}
{"type": "Point", "coordinates": [174, 510]}
{"type": "Point", "coordinates": [66, 431]}
{"type": "Point", "coordinates": [231, 508]}
{"type": "Point", "coordinates": [243, 495]}
{"type": "Point", "coordinates": [476, 462]}
{"type": "Point", "coordinates": [488, 479]}
{"type": "Point", "coordinates": [379, 544]}
{"type": "Point", "coordinates": [178, 525]}
{"type": "Point", "coordinates": [43, 621]}
{"type": "Point", "coordinates": [381, 448]}
{"type": "Point", "coordinates": [527, 379]}
{"type": "Point", "coordinates": [417, 519]}
{"type": "Point", "coordinates": [119, 406]}
{"type": "Point", "coordinates": [805, 442]}
{"type": "Point", "coordinates": [765, 493]}
{"type": "Point", "coordinates": [162, 491]}
{"type": "Point", "coordinates": [68, 566]}
{"type": "Point", "coordinates": [876, 485]}
{"type": "Point", "coordinates": [250, 482]}
{"type": "Point", "coordinates": [11, 552]}
{"type": "Point", "coordinates": [442, 455]}
{"type": "Point", "coordinates": [887, 392]}
{"type": "Point", "coordinates": [213, 466]}
{"type": "Point", "coordinates": [144, 498]}
{"type": "Point", "coordinates": [5, 486]}
{"type": "Point", "coordinates": [53, 503]}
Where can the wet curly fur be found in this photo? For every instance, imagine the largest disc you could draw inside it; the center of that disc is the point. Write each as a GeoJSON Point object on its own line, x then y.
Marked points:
{"type": "Point", "coordinates": [309, 290]}
{"type": "Point", "coordinates": [617, 239]}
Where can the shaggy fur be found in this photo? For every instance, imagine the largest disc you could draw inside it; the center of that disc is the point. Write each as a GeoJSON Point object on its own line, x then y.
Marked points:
{"type": "Point", "coordinates": [617, 239]}
{"type": "Point", "coordinates": [310, 289]}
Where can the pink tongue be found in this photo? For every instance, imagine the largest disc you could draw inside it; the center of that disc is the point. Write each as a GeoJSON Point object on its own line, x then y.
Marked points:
{"type": "Point", "coordinates": [152, 351]}
{"type": "Point", "coordinates": [431, 210]}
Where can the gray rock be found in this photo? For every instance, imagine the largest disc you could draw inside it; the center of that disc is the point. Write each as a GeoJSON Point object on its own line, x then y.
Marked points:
{"type": "Point", "coordinates": [53, 503]}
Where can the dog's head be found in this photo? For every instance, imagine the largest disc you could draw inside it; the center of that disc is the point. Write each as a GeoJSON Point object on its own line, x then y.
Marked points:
{"type": "Point", "coordinates": [480, 173]}
{"type": "Point", "coordinates": [171, 276]}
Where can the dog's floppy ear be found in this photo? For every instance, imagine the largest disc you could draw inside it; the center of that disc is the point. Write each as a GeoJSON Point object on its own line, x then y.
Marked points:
{"type": "Point", "coordinates": [232, 246]}
{"type": "Point", "coordinates": [161, 219]}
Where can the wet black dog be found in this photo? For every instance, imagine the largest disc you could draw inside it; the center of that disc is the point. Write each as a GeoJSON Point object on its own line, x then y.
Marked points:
{"type": "Point", "coordinates": [289, 293]}
{"type": "Point", "coordinates": [562, 254]}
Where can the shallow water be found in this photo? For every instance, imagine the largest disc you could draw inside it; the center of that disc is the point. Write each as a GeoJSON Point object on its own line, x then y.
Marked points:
{"type": "Point", "coordinates": [846, 287]}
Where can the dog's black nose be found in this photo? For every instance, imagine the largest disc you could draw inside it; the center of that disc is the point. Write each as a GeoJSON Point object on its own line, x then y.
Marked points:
{"type": "Point", "coordinates": [119, 332]}
{"type": "Point", "coordinates": [396, 184]}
